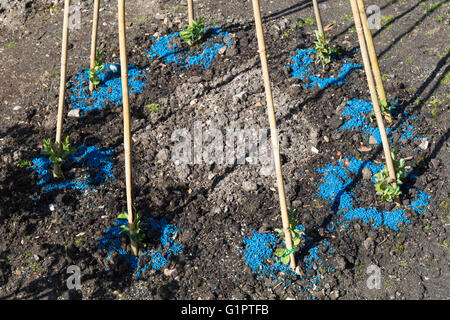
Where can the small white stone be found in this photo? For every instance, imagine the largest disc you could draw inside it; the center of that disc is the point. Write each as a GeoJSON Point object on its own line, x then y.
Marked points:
{"type": "Point", "coordinates": [51, 207]}
{"type": "Point", "coordinates": [168, 272]}
{"type": "Point", "coordinates": [372, 140]}
{"type": "Point", "coordinates": [74, 113]}
{"type": "Point", "coordinates": [314, 150]}
{"type": "Point", "coordinates": [424, 144]}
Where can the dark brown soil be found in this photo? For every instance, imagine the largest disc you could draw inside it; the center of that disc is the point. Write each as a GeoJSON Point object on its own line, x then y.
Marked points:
{"type": "Point", "coordinates": [217, 205]}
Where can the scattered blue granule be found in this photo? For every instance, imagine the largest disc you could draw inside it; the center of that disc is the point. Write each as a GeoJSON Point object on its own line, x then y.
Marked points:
{"type": "Point", "coordinates": [421, 204]}
{"type": "Point", "coordinates": [407, 132]}
{"type": "Point", "coordinates": [260, 250]}
{"type": "Point", "coordinates": [315, 257]}
{"type": "Point", "coordinates": [376, 218]}
{"type": "Point", "coordinates": [202, 56]}
{"type": "Point", "coordinates": [337, 186]}
{"type": "Point", "coordinates": [158, 258]}
{"type": "Point", "coordinates": [108, 92]}
{"type": "Point", "coordinates": [301, 67]}
{"type": "Point", "coordinates": [357, 114]}
{"type": "Point", "coordinates": [96, 161]}
{"type": "Point", "coordinates": [357, 111]}
{"type": "Point", "coordinates": [304, 68]}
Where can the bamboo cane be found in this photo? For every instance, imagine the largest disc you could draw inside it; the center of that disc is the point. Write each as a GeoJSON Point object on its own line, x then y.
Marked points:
{"type": "Point", "coordinates": [273, 131]}
{"type": "Point", "coordinates": [126, 122]}
{"type": "Point", "coordinates": [318, 17]}
{"type": "Point", "coordinates": [94, 39]}
{"type": "Point", "coordinates": [372, 53]}
{"type": "Point", "coordinates": [191, 12]}
{"type": "Point", "coordinates": [373, 92]}
{"type": "Point", "coordinates": [62, 83]}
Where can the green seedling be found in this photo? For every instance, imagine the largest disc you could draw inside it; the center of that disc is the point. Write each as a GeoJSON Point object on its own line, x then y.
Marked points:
{"type": "Point", "coordinates": [79, 242]}
{"type": "Point", "coordinates": [142, 19]}
{"type": "Point", "coordinates": [446, 78]}
{"type": "Point", "coordinates": [155, 107]}
{"type": "Point", "coordinates": [296, 235]}
{"type": "Point", "coordinates": [10, 45]}
{"type": "Point", "coordinates": [384, 185]}
{"type": "Point", "coordinates": [53, 9]}
{"type": "Point", "coordinates": [348, 17]}
{"type": "Point", "coordinates": [302, 22]}
{"type": "Point", "coordinates": [386, 108]}
{"type": "Point", "coordinates": [58, 154]}
{"type": "Point", "coordinates": [98, 66]}
{"type": "Point", "coordinates": [434, 6]}
{"type": "Point", "coordinates": [386, 19]}
{"type": "Point", "coordinates": [323, 50]}
{"type": "Point", "coordinates": [138, 235]}
{"type": "Point", "coordinates": [435, 101]}
{"type": "Point", "coordinates": [24, 164]}
{"type": "Point", "coordinates": [433, 112]}
{"type": "Point", "coordinates": [193, 34]}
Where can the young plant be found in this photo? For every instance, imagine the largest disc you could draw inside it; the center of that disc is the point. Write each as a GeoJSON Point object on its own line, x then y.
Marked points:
{"type": "Point", "coordinates": [193, 34]}
{"type": "Point", "coordinates": [138, 235]}
{"type": "Point", "coordinates": [58, 154]}
{"type": "Point", "coordinates": [323, 50]}
{"type": "Point", "coordinates": [384, 184]}
{"type": "Point", "coordinates": [154, 107]}
{"type": "Point", "coordinates": [296, 235]}
{"type": "Point", "coordinates": [98, 66]}
{"type": "Point", "coordinates": [24, 164]}
{"type": "Point", "coordinates": [386, 108]}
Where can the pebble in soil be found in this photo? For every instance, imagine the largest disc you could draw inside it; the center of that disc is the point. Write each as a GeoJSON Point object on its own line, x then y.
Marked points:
{"type": "Point", "coordinates": [108, 92]}
{"type": "Point", "coordinates": [304, 68]}
{"type": "Point", "coordinates": [150, 259]}
{"type": "Point", "coordinates": [171, 48]}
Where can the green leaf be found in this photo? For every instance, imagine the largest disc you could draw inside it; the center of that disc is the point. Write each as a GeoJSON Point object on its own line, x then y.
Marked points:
{"type": "Point", "coordinates": [285, 260]}
{"type": "Point", "coordinates": [123, 215]}
{"type": "Point", "coordinates": [280, 252]}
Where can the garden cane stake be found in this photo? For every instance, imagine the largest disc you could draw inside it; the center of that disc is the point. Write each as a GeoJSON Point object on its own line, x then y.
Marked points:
{"type": "Point", "coordinates": [373, 91]}
{"type": "Point", "coordinates": [273, 131]}
{"type": "Point", "coordinates": [191, 11]}
{"type": "Point", "coordinates": [62, 84]}
{"type": "Point", "coordinates": [126, 123]}
{"type": "Point", "coordinates": [318, 18]}
{"type": "Point", "coordinates": [372, 53]}
{"type": "Point", "coordinates": [94, 39]}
